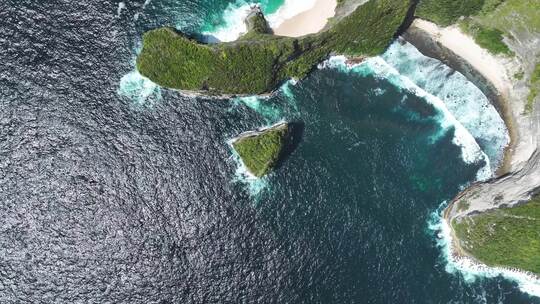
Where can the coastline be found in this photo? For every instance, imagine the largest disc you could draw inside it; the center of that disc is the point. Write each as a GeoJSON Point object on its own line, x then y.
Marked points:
{"type": "Point", "coordinates": [517, 179]}
{"type": "Point", "coordinates": [308, 22]}
{"type": "Point", "coordinates": [460, 52]}
{"type": "Point", "coordinates": [257, 132]}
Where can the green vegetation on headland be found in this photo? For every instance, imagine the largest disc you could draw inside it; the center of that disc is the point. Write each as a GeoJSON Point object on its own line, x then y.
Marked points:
{"type": "Point", "coordinates": [447, 12]}
{"type": "Point", "coordinates": [506, 237]}
{"type": "Point", "coordinates": [258, 62]}
{"type": "Point", "coordinates": [510, 16]}
{"type": "Point", "coordinates": [260, 151]}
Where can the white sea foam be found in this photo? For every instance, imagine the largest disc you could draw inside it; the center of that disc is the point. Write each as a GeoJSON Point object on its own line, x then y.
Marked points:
{"type": "Point", "coordinates": [138, 88]}
{"type": "Point", "coordinates": [271, 111]}
{"type": "Point", "coordinates": [253, 184]}
{"type": "Point", "coordinates": [471, 152]}
{"type": "Point", "coordinates": [461, 97]}
{"type": "Point", "coordinates": [268, 110]}
{"type": "Point", "coordinates": [287, 92]}
{"type": "Point", "coordinates": [289, 9]}
{"type": "Point", "coordinates": [471, 270]}
{"type": "Point", "coordinates": [468, 105]}
{"type": "Point", "coordinates": [233, 25]}
{"type": "Point", "coordinates": [121, 6]}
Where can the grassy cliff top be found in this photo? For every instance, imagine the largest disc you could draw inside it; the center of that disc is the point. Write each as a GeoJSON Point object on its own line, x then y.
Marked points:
{"type": "Point", "coordinates": [503, 27]}
{"type": "Point", "coordinates": [261, 151]}
{"type": "Point", "coordinates": [258, 62]}
{"type": "Point", "coordinates": [447, 12]}
{"type": "Point", "coordinates": [508, 237]}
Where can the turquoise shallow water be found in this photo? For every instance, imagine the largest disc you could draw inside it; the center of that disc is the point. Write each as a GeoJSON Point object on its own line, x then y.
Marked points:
{"type": "Point", "coordinates": [218, 18]}
{"type": "Point", "coordinates": [121, 192]}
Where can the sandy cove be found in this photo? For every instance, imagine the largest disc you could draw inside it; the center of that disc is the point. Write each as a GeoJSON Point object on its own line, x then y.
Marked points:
{"type": "Point", "coordinates": [510, 95]}
{"type": "Point", "coordinates": [519, 177]}
{"type": "Point", "coordinates": [308, 22]}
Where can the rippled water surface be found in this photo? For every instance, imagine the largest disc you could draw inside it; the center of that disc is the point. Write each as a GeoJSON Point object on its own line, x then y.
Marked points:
{"type": "Point", "coordinates": [106, 197]}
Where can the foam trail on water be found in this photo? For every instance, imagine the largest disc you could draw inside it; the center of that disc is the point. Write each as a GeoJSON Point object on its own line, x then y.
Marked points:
{"type": "Point", "coordinates": [471, 270]}
{"type": "Point", "coordinates": [121, 6]}
{"type": "Point", "coordinates": [138, 88]}
{"type": "Point", "coordinates": [462, 98]}
{"type": "Point", "coordinates": [254, 185]}
{"type": "Point", "coordinates": [133, 85]}
{"type": "Point", "coordinates": [289, 95]}
{"type": "Point", "coordinates": [268, 110]}
{"type": "Point", "coordinates": [233, 25]}
{"type": "Point", "coordinates": [471, 152]}
{"type": "Point", "coordinates": [271, 111]}
{"type": "Point", "coordinates": [287, 90]}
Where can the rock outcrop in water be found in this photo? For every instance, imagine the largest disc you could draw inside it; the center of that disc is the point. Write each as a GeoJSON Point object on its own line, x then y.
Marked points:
{"type": "Point", "coordinates": [261, 150]}
{"type": "Point", "coordinates": [256, 22]}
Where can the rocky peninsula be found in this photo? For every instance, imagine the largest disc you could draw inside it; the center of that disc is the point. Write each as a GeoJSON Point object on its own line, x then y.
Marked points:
{"type": "Point", "coordinates": [259, 61]}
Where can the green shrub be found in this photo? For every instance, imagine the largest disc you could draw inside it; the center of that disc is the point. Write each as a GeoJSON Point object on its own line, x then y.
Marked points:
{"type": "Point", "coordinates": [260, 152]}
{"type": "Point", "coordinates": [491, 5]}
{"type": "Point", "coordinates": [258, 62]}
{"type": "Point", "coordinates": [447, 12]}
{"type": "Point", "coordinates": [492, 40]}
{"type": "Point", "coordinates": [507, 237]}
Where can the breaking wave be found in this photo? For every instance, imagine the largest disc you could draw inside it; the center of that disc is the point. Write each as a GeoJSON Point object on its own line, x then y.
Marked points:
{"type": "Point", "coordinates": [254, 186]}
{"type": "Point", "coordinates": [471, 270]}
{"type": "Point", "coordinates": [471, 152]}
{"type": "Point", "coordinates": [461, 97]}
{"type": "Point", "coordinates": [233, 26]}
{"type": "Point", "coordinates": [138, 88]}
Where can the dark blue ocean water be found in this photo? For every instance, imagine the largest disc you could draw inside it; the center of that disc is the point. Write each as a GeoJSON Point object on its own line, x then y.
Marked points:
{"type": "Point", "coordinates": [110, 199]}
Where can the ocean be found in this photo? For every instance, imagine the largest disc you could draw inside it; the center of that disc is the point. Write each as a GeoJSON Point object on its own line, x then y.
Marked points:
{"type": "Point", "coordinates": [114, 190]}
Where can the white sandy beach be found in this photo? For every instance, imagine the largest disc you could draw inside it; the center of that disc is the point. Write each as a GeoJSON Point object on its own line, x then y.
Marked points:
{"type": "Point", "coordinates": [308, 22]}
{"type": "Point", "coordinates": [497, 70]}
{"type": "Point", "coordinates": [465, 47]}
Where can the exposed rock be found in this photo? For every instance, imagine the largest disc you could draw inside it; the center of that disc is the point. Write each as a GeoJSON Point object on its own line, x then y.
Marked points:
{"type": "Point", "coordinates": [256, 22]}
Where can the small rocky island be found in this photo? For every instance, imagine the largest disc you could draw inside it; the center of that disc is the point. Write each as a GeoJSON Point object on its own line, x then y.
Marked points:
{"type": "Point", "coordinates": [261, 150]}
{"type": "Point", "coordinates": [260, 61]}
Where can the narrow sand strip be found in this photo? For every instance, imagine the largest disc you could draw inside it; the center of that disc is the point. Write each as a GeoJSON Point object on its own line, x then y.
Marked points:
{"type": "Point", "coordinates": [497, 70]}
{"type": "Point", "coordinates": [308, 22]}
{"type": "Point", "coordinates": [465, 47]}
